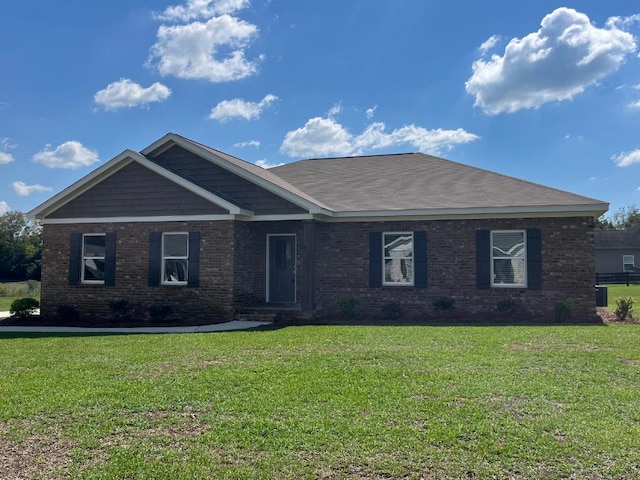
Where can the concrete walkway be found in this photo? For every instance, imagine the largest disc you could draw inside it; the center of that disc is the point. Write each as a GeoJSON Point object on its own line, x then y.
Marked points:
{"type": "Point", "coordinates": [219, 327]}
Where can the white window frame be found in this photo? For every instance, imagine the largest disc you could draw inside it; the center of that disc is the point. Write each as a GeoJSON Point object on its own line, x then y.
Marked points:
{"type": "Point", "coordinates": [86, 257]}
{"type": "Point", "coordinates": [625, 261]}
{"type": "Point", "coordinates": [164, 258]}
{"type": "Point", "coordinates": [409, 283]}
{"type": "Point", "coordinates": [523, 257]}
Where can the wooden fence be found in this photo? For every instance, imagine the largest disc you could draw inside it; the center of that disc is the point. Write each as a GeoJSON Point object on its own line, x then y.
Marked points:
{"type": "Point", "coordinates": [621, 277]}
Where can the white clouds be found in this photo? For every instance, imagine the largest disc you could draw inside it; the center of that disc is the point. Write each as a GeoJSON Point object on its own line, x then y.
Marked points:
{"type": "Point", "coordinates": [627, 158]}
{"type": "Point", "coordinates": [5, 158]}
{"type": "Point", "coordinates": [195, 9]}
{"type": "Point", "coordinates": [25, 190]}
{"type": "Point", "coordinates": [4, 207]}
{"type": "Point", "coordinates": [565, 56]}
{"type": "Point", "coordinates": [126, 93]}
{"type": "Point", "coordinates": [6, 144]}
{"type": "Point", "coordinates": [239, 108]}
{"type": "Point", "coordinates": [70, 154]}
{"type": "Point", "coordinates": [489, 43]}
{"type": "Point", "coordinates": [371, 112]}
{"type": "Point", "coordinates": [264, 163]}
{"type": "Point", "coordinates": [326, 137]}
{"type": "Point", "coordinates": [250, 143]}
{"type": "Point", "coordinates": [192, 51]}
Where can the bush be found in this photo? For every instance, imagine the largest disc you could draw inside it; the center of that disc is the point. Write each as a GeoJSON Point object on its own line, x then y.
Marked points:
{"type": "Point", "coordinates": [24, 307]}
{"type": "Point", "coordinates": [444, 304]}
{"type": "Point", "coordinates": [563, 310]}
{"type": "Point", "coordinates": [349, 307]}
{"type": "Point", "coordinates": [392, 311]}
{"type": "Point", "coordinates": [507, 307]}
{"type": "Point", "coordinates": [67, 311]}
{"type": "Point", "coordinates": [624, 308]}
{"type": "Point", "coordinates": [159, 313]}
{"type": "Point", "coordinates": [121, 309]}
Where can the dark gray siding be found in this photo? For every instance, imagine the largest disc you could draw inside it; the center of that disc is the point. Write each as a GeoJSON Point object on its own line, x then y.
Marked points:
{"type": "Point", "coordinates": [224, 183]}
{"type": "Point", "coordinates": [136, 191]}
{"type": "Point", "coordinates": [610, 260]}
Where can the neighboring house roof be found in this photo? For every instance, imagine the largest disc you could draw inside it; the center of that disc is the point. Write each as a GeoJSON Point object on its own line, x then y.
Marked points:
{"type": "Point", "coordinates": [617, 239]}
{"type": "Point", "coordinates": [400, 185]}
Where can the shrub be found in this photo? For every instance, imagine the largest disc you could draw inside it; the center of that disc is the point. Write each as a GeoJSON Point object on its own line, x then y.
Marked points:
{"type": "Point", "coordinates": [67, 311]}
{"type": "Point", "coordinates": [24, 307]}
{"type": "Point", "coordinates": [444, 304]}
{"type": "Point", "coordinates": [507, 307]}
{"type": "Point", "coordinates": [160, 313]}
{"type": "Point", "coordinates": [624, 308]}
{"type": "Point", "coordinates": [349, 307]}
{"type": "Point", "coordinates": [121, 309]}
{"type": "Point", "coordinates": [33, 287]}
{"type": "Point", "coordinates": [563, 310]}
{"type": "Point", "coordinates": [392, 311]}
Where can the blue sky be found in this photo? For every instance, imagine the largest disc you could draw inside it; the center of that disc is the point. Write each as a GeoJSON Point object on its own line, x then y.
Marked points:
{"type": "Point", "coordinates": [539, 90]}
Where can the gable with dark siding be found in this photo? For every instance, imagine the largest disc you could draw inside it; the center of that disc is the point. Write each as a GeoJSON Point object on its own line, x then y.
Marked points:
{"type": "Point", "coordinates": [224, 183]}
{"type": "Point", "coordinates": [136, 191]}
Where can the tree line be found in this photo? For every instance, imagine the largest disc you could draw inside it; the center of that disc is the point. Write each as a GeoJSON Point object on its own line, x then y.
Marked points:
{"type": "Point", "coordinates": [20, 247]}
{"type": "Point", "coordinates": [21, 241]}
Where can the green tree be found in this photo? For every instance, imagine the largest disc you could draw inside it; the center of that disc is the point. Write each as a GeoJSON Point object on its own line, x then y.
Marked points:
{"type": "Point", "coordinates": [20, 247]}
{"type": "Point", "coordinates": [625, 217]}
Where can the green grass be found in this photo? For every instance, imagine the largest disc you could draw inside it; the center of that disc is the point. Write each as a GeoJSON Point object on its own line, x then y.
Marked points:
{"type": "Point", "coordinates": [343, 402]}
{"type": "Point", "coordinates": [617, 291]}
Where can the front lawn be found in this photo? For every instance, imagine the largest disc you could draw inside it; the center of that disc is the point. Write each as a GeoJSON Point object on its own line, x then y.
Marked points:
{"type": "Point", "coordinates": [617, 291]}
{"type": "Point", "coordinates": [348, 402]}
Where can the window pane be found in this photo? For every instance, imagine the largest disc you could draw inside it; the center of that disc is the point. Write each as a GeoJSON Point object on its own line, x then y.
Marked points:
{"type": "Point", "coordinates": [175, 245]}
{"type": "Point", "coordinates": [94, 246]}
{"type": "Point", "coordinates": [93, 269]}
{"type": "Point", "coordinates": [398, 245]}
{"type": "Point", "coordinates": [398, 270]}
{"type": "Point", "coordinates": [508, 244]}
{"type": "Point", "coordinates": [175, 270]}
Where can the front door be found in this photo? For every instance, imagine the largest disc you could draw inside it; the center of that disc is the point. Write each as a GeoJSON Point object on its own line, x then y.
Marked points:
{"type": "Point", "coordinates": [281, 271]}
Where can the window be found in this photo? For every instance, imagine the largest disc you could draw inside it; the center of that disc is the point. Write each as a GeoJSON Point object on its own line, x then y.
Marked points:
{"type": "Point", "coordinates": [175, 258]}
{"type": "Point", "coordinates": [628, 263]}
{"type": "Point", "coordinates": [398, 258]}
{"type": "Point", "coordinates": [508, 259]}
{"type": "Point", "coordinates": [93, 258]}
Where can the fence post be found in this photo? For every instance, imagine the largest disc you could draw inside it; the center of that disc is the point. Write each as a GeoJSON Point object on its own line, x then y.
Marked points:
{"type": "Point", "coordinates": [627, 277]}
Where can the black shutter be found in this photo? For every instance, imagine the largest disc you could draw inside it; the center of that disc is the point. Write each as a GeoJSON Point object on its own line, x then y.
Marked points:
{"type": "Point", "coordinates": [110, 259]}
{"type": "Point", "coordinates": [75, 262]}
{"type": "Point", "coordinates": [420, 256]}
{"type": "Point", "coordinates": [194, 260]}
{"type": "Point", "coordinates": [534, 259]}
{"type": "Point", "coordinates": [155, 257]}
{"type": "Point", "coordinates": [483, 259]}
{"type": "Point", "coordinates": [375, 259]}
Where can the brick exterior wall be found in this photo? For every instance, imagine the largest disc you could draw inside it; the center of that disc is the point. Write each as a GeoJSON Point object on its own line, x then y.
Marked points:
{"type": "Point", "coordinates": [342, 258]}
{"type": "Point", "coordinates": [233, 267]}
{"type": "Point", "coordinates": [212, 301]}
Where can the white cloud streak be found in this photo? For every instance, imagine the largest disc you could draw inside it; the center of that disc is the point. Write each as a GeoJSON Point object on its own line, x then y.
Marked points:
{"type": "Point", "coordinates": [239, 108]}
{"type": "Point", "coordinates": [264, 163]}
{"type": "Point", "coordinates": [71, 154]}
{"type": "Point", "coordinates": [24, 190]}
{"type": "Point", "coordinates": [198, 9]}
{"type": "Point", "coordinates": [489, 43]}
{"type": "Point", "coordinates": [5, 158]}
{"type": "Point", "coordinates": [126, 93]}
{"type": "Point", "coordinates": [326, 137]}
{"type": "Point", "coordinates": [627, 158]}
{"type": "Point", "coordinates": [371, 112]}
{"type": "Point", "coordinates": [559, 61]}
{"type": "Point", "coordinates": [250, 143]}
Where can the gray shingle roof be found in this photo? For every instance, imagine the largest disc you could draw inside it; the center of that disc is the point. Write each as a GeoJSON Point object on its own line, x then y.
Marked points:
{"type": "Point", "coordinates": [614, 239]}
{"type": "Point", "coordinates": [415, 181]}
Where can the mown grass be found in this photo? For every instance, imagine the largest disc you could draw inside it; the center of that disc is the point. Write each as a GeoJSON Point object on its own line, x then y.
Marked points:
{"type": "Point", "coordinates": [617, 291]}
{"type": "Point", "coordinates": [325, 402]}
{"type": "Point", "coordinates": [14, 290]}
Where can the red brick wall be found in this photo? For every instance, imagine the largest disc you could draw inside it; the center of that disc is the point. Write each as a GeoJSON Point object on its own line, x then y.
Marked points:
{"type": "Point", "coordinates": [211, 302]}
{"type": "Point", "coordinates": [233, 267]}
{"type": "Point", "coordinates": [342, 259]}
